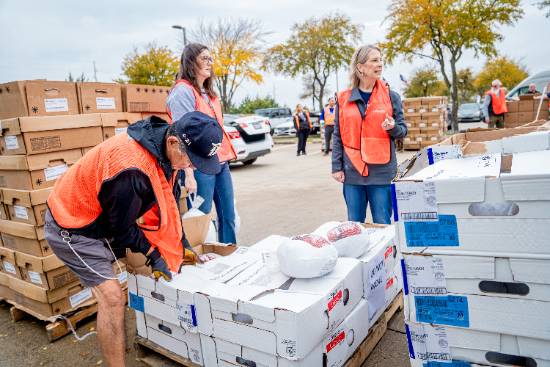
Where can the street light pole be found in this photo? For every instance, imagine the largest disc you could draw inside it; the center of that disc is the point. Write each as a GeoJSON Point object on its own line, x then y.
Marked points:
{"type": "Point", "coordinates": [184, 33]}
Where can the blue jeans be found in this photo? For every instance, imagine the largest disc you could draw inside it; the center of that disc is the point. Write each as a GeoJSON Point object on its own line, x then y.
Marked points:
{"type": "Point", "coordinates": [219, 189]}
{"type": "Point", "coordinates": [357, 198]}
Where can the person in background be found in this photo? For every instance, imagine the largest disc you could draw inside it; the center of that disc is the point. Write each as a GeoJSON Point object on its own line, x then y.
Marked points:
{"type": "Point", "coordinates": [494, 105]}
{"type": "Point", "coordinates": [302, 123]}
{"type": "Point", "coordinates": [328, 115]}
{"type": "Point", "coordinates": [532, 89]}
{"type": "Point", "coordinates": [369, 117]}
{"type": "Point", "coordinates": [194, 91]}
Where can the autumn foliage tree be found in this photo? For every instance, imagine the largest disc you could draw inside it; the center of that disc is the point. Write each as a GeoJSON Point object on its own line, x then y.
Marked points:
{"type": "Point", "coordinates": [441, 30]}
{"type": "Point", "coordinates": [156, 66]}
{"type": "Point", "coordinates": [235, 46]}
{"type": "Point", "coordinates": [504, 69]}
{"type": "Point", "coordinates": [424, 82]}
{"type": "Point", "coordinates": [315, 49]}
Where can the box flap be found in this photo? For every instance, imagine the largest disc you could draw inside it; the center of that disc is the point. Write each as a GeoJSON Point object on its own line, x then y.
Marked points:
{"type": "Point", "coordinates": [529, 178]}
{"type": "Point", "coordinates": [7, 254]}
{"type": "Point", "coordinates": [4, 280]}
{"type": "Point", "coordinates": [39, 264]}
{"type": "Point", "coordinates": [19, 229]}
{"type": "Point", "coordinates": [481, 166]}
{"type": "Point", "coordinates": [539, 140]}
{"type": "Point", "coordinates": [26, 198]}
{"type": "Point", "coordinates": [119, 118]}
{"type": "Point", "coordinates": [45, 160]}
{"type": "Point", "coordinates": [47, 123]}
{"type": "Point", "coordinates": [10, 127]}
{"type": "Point", "coordinates": [13, 162]}
{"type": "Point", "coordinates": [196, 228]}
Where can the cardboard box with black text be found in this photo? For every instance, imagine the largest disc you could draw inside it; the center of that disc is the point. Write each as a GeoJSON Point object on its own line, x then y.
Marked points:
{"type": "Point", "coordinates": [47, 272]}
{"type": "Point", "coordinates": [8, 264]}
{"type": "Point", "coordinates": [144, 98]}
{"type": "Point", "coordinates": [25, 238]}
{"type": "Point", "coordinates": [26, 206]}
{"type": "Point", "coordinates": [116, 123]}
{"type": "Point", "coordinates": [99, 97]}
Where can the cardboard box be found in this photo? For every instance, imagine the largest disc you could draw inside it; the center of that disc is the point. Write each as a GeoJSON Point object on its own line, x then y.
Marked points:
{"type": "Point", "coordinates": [428, 143]}
{"type": "Point", "coordinates": [510, 119]}
{"type": "Point", "coordinates": [526, 117]}
{"type": "Point", "coordinates": [24, 238]}
{"type": "Point", "coordinates": [37, 98]}
{"type": "Point", "coordinates": [431, 115]}
{"type": "Point", "coordinates": [436, 344]}
{"type": "Point", "coordinates": [99, 97]}
{"type": "Point", "coordinates": [36, 135]}
{"type": "Point", "coordinates": [116, 123]}
{"type": "Point", "coordinates": [486, 204]}
{"type": "Point", "coordinates": [36, 171]}
{"type": "Point", "coordinates": [8, 264]}
{"type": "Point", "coordinates": [413, 116]}
{"type": "Point", "coordinates": [26, 206]}
{"type": "Point", "coordinates": [5, 291]}
{"type": "Point", "coordinates": [47, 272]}
{"type": "Point", "coordinates": [334, 350]}
{"type": "Point", "coordinates": [145, 98]}
{"type": "Point", "coordinates": [411, 145]}
{"type": "Point", "coordinates": [513, 106]}
{"type": "Point", "coordinates": [526, 106]}
{"type": "Point", "coordinates": [413, 131]}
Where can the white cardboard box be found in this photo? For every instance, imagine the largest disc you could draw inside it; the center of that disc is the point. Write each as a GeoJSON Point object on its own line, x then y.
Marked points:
{"type": "Point", "coordinates": [469, 205]}
{"type": "Point", "coordinates": [333, 351]}
{"type": "Point", "coordinates": [133, 302]}
{"type": "Point", "coordinates": [443, 344]}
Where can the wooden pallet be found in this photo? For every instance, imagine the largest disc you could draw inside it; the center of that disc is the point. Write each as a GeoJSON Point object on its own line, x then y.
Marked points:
{"type": "Point", "coordinates": [153, 355]}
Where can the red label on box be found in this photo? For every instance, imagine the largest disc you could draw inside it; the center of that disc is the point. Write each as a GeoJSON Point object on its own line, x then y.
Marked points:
{"type": "Point", "coordinates": [334, 301]}
{"type": "Point", "coordinates": [389, 283]}
{"type": "Point", "coordinates": [388, 252]}
{"type": "Point", "coordinates": [337, 340]}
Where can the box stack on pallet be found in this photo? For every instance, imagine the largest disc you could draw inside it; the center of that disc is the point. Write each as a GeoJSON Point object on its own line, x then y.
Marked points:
{"type": "Point", "coordinates": [473, 230]}
{"type": "Point", "coordinates": [525, 111]}
{"type": "Point", "coordinates": [426, 120]}
{"type": "Point", "coordinates": [46, 127]}
{"type": "Point", "coordinates": [241, 309]}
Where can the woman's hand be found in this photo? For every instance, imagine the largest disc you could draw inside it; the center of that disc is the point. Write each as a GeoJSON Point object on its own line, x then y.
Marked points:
{"type": "Point", "coordinates": [339, 176]}
{"type": "Point", "coordinates": [190, 182]}
{"type": "Point", "coordinates": [389, 123]}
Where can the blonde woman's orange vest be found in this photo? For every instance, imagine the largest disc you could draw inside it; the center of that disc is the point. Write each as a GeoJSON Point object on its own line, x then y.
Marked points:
{"type": "Point", "coordinates": [213, 109]}
{"type": "Point", "coordinates": [498, 102]}
{"type": "Point", "coordinates": [365, 141]}
{"type": "Point", "coordinates": [74, 200]}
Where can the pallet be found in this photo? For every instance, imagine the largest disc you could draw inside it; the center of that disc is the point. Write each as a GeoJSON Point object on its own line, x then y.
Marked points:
{"type": "Point", "coordinates": [162, 357]}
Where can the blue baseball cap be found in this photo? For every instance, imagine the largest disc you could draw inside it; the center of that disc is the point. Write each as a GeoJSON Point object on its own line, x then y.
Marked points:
{"type": "Point", "coordinates": [202, 137]}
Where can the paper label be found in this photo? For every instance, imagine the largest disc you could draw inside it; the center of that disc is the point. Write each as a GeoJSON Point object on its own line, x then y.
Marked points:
{"type": "Point", "coordinates": [425, 275]}
{"type": "Point", "coordinates": [122, 277]}
{"type": "Point", "coordinates": [479, 166]}
{"type": "Point", "coordinates": [443, 233]}
{"type": "Point", "coordinates": [428, 343]}
{"type": "Point", "coordinates": [136, 302]}
{"type": "Point", "coordinates": [9, 268]}
{"type": "Point", "coordinates": [53, 173]}
{"type": "Point", "coordinates": [410, 110]}
{"type": "Point", "coordinates": [120, 130]}
{"type": "Point", "coordinates": [11, 142]}
{"type": "Point", "coordinates": [439, 153]}
{"type": "Point", "coordinates": [187, 315]}
{"type": "Point", "coordinates": [289, 346]}
{"type": "Point", "coordinates": [35, 277]}
{"type": "Point", "coordinates": [105, 103]}
{"type": "Point", "coordinates": [334, 299]}
{"type": "Point", "coordinates": [442, 310]}
{"type": "Point", "coordinates": [80, 297]}
{"type": "Point", "coordinates": [416, 201]}
{"type": "Point", "coordinates": [20, 212]}
{"type": "Point", "coordinates": [376, 285]}
{"type": "Point", "coordinates": [56, 104]}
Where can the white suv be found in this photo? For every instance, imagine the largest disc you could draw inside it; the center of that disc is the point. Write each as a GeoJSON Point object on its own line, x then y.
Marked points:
{"type": "Point", "coordinates": [254, 131]}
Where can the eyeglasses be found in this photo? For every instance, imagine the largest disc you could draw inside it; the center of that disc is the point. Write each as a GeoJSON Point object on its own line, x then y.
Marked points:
{"type": "Point", "coordinates": [206, 59]}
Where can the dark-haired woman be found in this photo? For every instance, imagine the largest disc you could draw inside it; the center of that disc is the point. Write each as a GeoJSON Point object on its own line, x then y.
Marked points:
{"type": "Point", "coordinates": [194, 91]}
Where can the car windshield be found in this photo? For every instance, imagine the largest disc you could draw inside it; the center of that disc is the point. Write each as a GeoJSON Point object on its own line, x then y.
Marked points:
{"type": "Point", "coordinates": [469, 107]}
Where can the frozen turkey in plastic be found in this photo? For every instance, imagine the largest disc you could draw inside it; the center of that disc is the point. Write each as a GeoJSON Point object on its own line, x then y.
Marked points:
{"type": "Point", "coordinates": [351, 239]}
{"type": "Point", "coordinates": [306, 256]}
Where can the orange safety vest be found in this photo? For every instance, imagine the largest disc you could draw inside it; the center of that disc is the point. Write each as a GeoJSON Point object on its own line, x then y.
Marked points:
{"type": "Point", "coordinates": [213, 109]}
{"type": "Point", "coordinates": [498, 102]}
{"type": "Point", "coordinates": [365, 141]}
{"type": "Point", "coordinates": [74, 200]}
{"type": "Point", "coordinates": [330, 116]}
{"type": "Point", "coordinates": [297, 120]}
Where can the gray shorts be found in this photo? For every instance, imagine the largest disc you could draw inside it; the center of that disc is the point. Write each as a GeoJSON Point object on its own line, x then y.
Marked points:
{"type": "Point", "coordinates": [92, 251]}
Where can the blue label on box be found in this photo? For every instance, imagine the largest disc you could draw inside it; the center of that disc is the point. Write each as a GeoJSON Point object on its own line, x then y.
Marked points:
{"type": "Point", "coordinates": [442, 233]}
{"type": "Point", "coordinates": [442, 310]}
{"type": "Point", "coordinates": [136, 302]}
{"type": "Point", "coordinates": [430, 156]}
{"type": "Point", "coordinates": [447, 364]}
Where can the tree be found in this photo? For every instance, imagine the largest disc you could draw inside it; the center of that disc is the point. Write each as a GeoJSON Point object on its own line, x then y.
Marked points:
{"type": "Point", "coordinates": [316, 48]}
{"type": "Point", "coordinates": [465, 85]}
{"type": "Point", "coordinates": [423, 83]}
{"type": "Point", "coordinates": [235, 48]}
{"type": "Point", "coordinates": [504, 69]}
{"type": "Point", "coordinates": [441, 30]}
{"type": "Point", "coordinates": [249, 105]}
{"type": "Point", "coordinates": [545, 4]}
{"type": "Point", "coordinates": [81, 78]}
{"type": "Point", "coordinates": [156, 66]}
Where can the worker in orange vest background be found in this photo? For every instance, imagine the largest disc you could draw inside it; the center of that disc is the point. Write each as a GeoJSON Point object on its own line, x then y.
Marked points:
{"type": "Point", "coordinates": [494, 105]}
{"type": "Point", "coordinates": [94, 207]}
{"type": "Point", "coordinates": [328, 115]}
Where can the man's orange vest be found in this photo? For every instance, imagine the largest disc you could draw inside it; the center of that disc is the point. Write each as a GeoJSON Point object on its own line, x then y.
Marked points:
{"type": "Point", "coordinates": [74, 200]}
{"type": "Point", "coordinates": [330, 116]}
{"type": "Point", "coordinates": [297, 120]}
{"type": "Point", "coordinates": [498, 102]}
{"type": "Point", "coordinates": [213, 109]}
{"type": "Point", "coordinates": [365, 141]}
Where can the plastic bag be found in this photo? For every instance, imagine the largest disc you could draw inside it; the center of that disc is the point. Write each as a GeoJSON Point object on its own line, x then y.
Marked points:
{"type": "Point", "coordinates": [306, 256]}
{"type": "Point", "coordinates": [351, 239]}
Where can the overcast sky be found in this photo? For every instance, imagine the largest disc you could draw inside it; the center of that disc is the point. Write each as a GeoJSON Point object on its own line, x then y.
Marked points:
{"type": "Point", "coordinates": [49, 39]}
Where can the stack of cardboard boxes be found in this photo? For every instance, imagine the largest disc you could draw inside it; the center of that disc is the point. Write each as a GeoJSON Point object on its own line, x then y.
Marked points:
{"type": "Point", "coordinates": [240, 309]}
{"type": "Point", "coordinates": [42, 134]}
{"type": "Point", "coordinates": [473, 234]}
{"type": "Point", "coordinates": [525, 111]}
{"type": "Point", "coordinates": [426, 120]}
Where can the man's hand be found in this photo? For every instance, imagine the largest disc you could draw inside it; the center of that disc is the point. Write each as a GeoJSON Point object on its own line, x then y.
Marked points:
{"type": "Point", "coordinates": [190, 182]}
{"type": "Point", "coordinates": [339, 176]}
{"type": "Point", "coordinates": [158, 265]}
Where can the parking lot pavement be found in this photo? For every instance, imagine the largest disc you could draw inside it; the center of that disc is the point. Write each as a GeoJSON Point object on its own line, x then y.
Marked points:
{"type": "Point", "coordinates": [279, 194]}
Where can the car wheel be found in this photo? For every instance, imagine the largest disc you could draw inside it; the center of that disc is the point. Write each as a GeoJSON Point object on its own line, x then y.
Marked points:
{"type": "Point", "coordinates": [249, 162]}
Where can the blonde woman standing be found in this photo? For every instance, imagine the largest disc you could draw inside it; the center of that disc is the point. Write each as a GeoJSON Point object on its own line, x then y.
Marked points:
{"type": "Point", "coordinates": [302, 123]}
